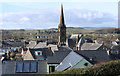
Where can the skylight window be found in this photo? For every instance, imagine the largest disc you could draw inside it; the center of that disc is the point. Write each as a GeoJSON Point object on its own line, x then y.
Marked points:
{"type": "Point", "coordinates": [33, 67]}
{"type": "Point", "coordinates": [19, 67]}
{"type": "Point", "coordinates": [26, 67]}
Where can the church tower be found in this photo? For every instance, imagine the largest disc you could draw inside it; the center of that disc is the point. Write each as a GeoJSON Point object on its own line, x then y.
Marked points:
{"type": "Point", "coordinates": [62, 29]}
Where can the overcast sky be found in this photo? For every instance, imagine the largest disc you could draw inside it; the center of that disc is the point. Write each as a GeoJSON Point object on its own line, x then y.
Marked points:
{"type": "Point", "coordinates": [21, 14]}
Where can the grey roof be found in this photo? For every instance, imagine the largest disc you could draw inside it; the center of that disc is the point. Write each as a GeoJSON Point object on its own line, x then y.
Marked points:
{"type": "Point", "coordinates": [90, 46]}
{"type": "Point", "coordinates": [69, 61]}
{"type": "Point", "coordinates": [97, 56]}
{"type": "Point", "coordinates": [31, 44]}
{"type": "Point", "coordinates": [57, 57]}
{"type": "Point", "coordinates": [45, 52]}
{"type": "Point", "coordinates": [64, 48]}
{"type": "Point", "coordinates": [41, 45]}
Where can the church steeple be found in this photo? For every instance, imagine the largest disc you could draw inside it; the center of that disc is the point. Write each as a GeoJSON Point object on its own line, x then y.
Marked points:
{"type": "Point", "coordinates": [62, 29]}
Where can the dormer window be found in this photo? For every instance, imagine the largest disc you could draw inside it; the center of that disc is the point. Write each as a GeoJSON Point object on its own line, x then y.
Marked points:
{"type": "Point", "coordinates": [86, 64]}
{"type": "Point", "coordinates": [91, 59]}
{"type": "Point", "coordinates": [38, 53]}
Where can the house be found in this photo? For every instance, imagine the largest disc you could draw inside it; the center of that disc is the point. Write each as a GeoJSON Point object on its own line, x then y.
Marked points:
{"type": "Point", "coordinates": [114, 52]}
{"type": "Point", "coordinates": [73, 60]}
{"type": "Point", "coordinates": [75, 40]}
{"type": "Point", "coordinates": [37, 54]}
{"type": "Point", "coordinates": [54, 60]}
{"type": "Point", "coordinates": [16, 68]}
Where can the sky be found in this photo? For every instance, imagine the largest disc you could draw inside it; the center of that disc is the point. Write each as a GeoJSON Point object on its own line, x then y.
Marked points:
{"type": "Point", "coordinates": [34, 14]}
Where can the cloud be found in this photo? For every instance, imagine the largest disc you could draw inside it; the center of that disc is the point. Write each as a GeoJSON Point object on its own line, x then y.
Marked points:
{"type": "Point", "coordinates": [24, 19]}
{"type": "Point", "coordinates": [46, 18]}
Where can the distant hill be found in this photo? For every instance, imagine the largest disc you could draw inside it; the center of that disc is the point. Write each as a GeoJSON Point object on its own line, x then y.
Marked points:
{"type": "Point", "coordinates": [67, 28]}
{"type": "Point", "coordinates": [108, 30]}
{"type": "Point", "coordinates": [94, 30]}
{"type": "Point", "coordinates": [83, 28]}
{"type": "Point", "coordinates": [97, 27]}
{"type": "Point", "coordinates": [71, 30]}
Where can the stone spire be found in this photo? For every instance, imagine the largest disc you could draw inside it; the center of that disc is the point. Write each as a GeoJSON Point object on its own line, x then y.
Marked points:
{"type": "Point", "coordinates": [62, 29]}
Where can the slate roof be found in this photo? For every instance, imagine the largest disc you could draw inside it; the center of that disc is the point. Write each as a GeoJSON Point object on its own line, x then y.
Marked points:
{"type": "Point", "coordinates": [31, 44]}
{"type": "Point", "coordinates": [90, 46]}
{"type": "Point", "coordinates": [69, 61]}
{"type": "Point", "coordinates": [57, 57]}
{"type": "Point", "coordinates": [45, 52]}
{"type": "Point", "coordinates": [97, 56]}
{"type": "Point", "coordinates": [41, 45]}
{"type": "Point", "coordinates": [64, 48]}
